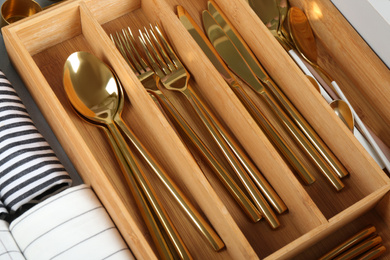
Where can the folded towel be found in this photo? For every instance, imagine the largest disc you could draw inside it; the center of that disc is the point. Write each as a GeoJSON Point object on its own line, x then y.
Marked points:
{"type": "Point", "coordinates": [29, 169]}
{"type": "Point", "coordinates": [9, 250]}
{"type": "Point", "coordinates": [3, 211]}
{"type": "Point", "coordinates": [72, 224]}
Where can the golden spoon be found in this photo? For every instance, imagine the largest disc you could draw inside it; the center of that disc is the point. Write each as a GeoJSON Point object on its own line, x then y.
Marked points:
{"type": "Point", "coordinates": [341, 108]}
{"type": "Point", "coordinates": [346, 112]}
{"type": "Point", "coordinates": [93, 91]}
{"type": "Point", "coordinates": [88, 82]}
{"type": "Point", "coordinates": [305, 42]}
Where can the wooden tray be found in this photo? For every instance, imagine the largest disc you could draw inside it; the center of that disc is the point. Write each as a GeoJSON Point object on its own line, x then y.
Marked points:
{"type": "Point", "coordinates": [39, 45]}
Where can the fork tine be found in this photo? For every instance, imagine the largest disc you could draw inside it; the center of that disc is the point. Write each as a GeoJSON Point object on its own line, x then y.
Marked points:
{"type": "Point", "coordinates": [164, 55]}
{"type": "Point", "coordinates": [167, 47]}
{"type": "Point", "coordinates": [134, 50]}
{"type": "Point", "coordinates": [130, 51]}
{"type": "Point", "coordinates": [154, 52]}
{"type": "Point", "coordinates": [149, 56]}
{"type": "Point", "coordinates": [118, 43]}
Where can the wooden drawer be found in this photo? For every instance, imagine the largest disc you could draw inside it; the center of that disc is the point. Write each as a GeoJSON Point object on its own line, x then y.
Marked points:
{"type": "Point", "coordinates": [39, 45]}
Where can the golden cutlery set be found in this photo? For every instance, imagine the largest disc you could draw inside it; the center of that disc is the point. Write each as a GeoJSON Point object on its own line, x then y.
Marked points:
{"type": "Point", "coordinates": [96, 95]}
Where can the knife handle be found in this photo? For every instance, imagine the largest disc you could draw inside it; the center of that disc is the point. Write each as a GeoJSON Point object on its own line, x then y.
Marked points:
{"type": "Point", "coordinates": [275, 137]}
{"type": "Point", "coordinates": [303, 142]}
{"type": "Point", "coordinates": [309, 132]}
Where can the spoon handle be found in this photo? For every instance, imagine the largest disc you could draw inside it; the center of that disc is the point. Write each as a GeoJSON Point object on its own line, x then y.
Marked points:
{"type": "Point", "coordinates": [242, 199]}
{"type": "Point", "coordinates": [142, 192]}
{"type": "Point", "coordinates": [307, 72]}
{"type": "Point", "coordinates": [206, 230]}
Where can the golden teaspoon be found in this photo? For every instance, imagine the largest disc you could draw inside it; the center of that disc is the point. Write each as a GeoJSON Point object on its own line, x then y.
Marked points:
{"type": "Point", "coordinates": [303, 37]}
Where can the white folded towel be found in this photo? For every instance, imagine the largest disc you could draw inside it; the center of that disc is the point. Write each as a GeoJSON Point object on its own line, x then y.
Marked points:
{"type": "Point", "coordinates": [9, 250]}
{"type": "Point", "coordinates": [72, 224]}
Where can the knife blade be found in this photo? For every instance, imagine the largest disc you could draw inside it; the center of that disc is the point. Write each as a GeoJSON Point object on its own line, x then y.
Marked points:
{"type": "Point", "coordinates": [203, 42]}
{"type": "Point", "coordinates": [256, 176]}
{"type": "Point", "coordinates": [228, 52]}
{"type": "Point", "coordinates": [256, 67]}
{"type": "Point", "coordinates": [238, 42]}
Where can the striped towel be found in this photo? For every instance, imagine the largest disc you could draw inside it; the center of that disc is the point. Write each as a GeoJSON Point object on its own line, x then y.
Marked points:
{"type": "Point", "coordinates": [29, 169]}
{"type": "Point", "coordinates": [72, 224]}
{"type": "Point", "coordinates": [3, 211]}
{"type": "Point", "coordinates": [9, 250]}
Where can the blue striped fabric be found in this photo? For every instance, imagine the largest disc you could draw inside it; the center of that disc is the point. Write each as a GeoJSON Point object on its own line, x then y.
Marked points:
{"type": "Point", "coordinates": [29, 169]}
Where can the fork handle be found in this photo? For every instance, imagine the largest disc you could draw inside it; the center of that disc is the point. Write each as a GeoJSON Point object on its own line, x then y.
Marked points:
{"type": "Point", "coordinates": [256, 176]}
{"type": "Point", "coordinates": [206, 230]}
{"type": "Point", "coordinates": [241, 198]}
{"type": "Point", "coordinates": [137, 182]}
{"type": "Point", "coordinates": [258, 199]}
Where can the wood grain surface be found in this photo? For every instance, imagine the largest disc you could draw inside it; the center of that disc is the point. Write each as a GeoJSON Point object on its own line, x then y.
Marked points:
{"type": "Point", "coordinates": [317, 213]}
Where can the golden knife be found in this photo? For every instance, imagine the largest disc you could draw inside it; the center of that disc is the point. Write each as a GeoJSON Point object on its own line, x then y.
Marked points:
{"type": "Point", "coordinates": [236, 62]}
{"type": "Point", "coordinates": [203, 42]}
{"type": "Point", "coordinates": [210, 52]}
{"type": "Point", "coordinates": [257, 69]}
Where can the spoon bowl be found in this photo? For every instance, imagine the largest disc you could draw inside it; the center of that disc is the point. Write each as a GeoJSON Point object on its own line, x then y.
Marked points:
{"type": "Point", "coordinates": [304, 40]}
{"type": "Point", "coordinates": [94, 94]}
{"type": "Point", "coordinates": [302, 34]}
{"type": "Point", "coordinates": [268, 12]}
{"type": "Point", "coordinates": [343, 111]}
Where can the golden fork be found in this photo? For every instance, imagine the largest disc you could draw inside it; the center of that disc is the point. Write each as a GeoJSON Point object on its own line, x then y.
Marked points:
{"type": "Point", "coordinates": [175, 77]}
{"type": "Point", "coordinates": [206, 230]}
{"type": "Point", "coordinates": [125, 42]}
